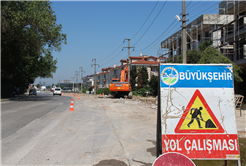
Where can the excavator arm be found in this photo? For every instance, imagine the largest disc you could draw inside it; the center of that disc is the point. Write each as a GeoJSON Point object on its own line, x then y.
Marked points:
{"type": "Point", "coordinates": [124, 75]}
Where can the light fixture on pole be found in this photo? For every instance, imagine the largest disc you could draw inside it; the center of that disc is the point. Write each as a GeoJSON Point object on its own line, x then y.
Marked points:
{"type": "Point", "coordinates": [177, 17]}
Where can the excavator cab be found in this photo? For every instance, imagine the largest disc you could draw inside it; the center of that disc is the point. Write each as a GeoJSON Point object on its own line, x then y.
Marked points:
{"type": "Point", "coordinates": [121, 88]}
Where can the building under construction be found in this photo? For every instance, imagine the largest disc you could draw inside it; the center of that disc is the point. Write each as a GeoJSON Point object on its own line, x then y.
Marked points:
{"type": "Point", "coordinates": [227, 30]}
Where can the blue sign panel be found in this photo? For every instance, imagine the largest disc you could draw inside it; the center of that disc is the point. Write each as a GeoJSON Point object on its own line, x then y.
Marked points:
{"type": "Point", "coordinates": [196, 76]}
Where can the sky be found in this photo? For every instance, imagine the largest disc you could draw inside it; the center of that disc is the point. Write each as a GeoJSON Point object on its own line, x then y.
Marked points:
{"type": "Point", "coordinates": [97, 29]}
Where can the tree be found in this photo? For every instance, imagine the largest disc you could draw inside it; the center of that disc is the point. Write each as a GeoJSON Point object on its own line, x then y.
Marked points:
{"type": "Point", "coordinates": [139, 79]}
{"type": "Point", "coordinates": [133, 74]}
{"type": "Point", "coordinates": [145, 76]}
{"type": "Point", "coordinates": [38, 86]}
{"type": "Point", "coordinates": [212, 55]}
{"type": "Point", "coordinates": [153, 84]}
{"type": "Point", "coordinates": [29, 34]}
{"type": "Point", "coordinates": [207, 54]}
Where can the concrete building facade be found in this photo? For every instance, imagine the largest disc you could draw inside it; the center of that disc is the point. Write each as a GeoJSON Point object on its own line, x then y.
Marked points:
{"type": "Point", "coordinates": [105, 77]}
{"type": "Point", "coordinates": [227, 30]}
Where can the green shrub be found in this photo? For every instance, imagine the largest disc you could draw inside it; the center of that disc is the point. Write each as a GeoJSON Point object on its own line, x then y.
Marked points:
{"type": "Point", "coordinates": [142, 91]}
{"type": "Point", "coordinates": [134, 93]}
{"type": "Point", "coordinates": [84, 90]}
{"type": "Point", "coordinates": [103, 90]}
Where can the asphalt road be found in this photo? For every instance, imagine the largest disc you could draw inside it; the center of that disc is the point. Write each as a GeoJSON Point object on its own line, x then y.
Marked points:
{"type": "Point", "coordinates": [23, 120]}
{"type": "Point", "coordinates": [39, 130]}
{"type": "Point", "coordinates": [17, 113]}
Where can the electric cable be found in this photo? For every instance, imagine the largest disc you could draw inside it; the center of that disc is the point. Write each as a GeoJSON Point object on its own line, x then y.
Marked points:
{"type": "Point", "coordinates": [151, 23]}
{"type": "Point", "coordinates": [111, 53]}
{"type": "Point", "coordinates": [157, 37]}
{"type": "Point", "coordinates": [145, 20]}
{"type": "Point", "coordinates": [151, 48]}
{"type": "Point", "coordinates": [188, 4]}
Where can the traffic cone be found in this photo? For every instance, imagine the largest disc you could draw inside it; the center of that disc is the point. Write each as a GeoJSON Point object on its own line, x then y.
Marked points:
{"type": "Point", "coordinates": [62, 94]}
{"type": "Point", "coordinates": [71, 94]}
{"type": "Point", "coordinates": [103, 94]}
{"type": "Point", "coordinates": [78, 97]}
{"type": "Point", "coordinates": [100, 95]}
{"type": "Point", "coordinates": [71, 106]}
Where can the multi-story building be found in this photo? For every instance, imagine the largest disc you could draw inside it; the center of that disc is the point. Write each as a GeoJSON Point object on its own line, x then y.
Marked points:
{"type": "Point", "coordinates": [234, 34]}
{"type": "Point", "coordinates": [201, 29]}
{"type": "Point", "coordinates": [104, 78]}
{"type": "Point", "coordinates": [227, 30]}
{"type": "Point", "coordinates": [234, 31]}
{"type": "Point", "coordinates": [150, 62]}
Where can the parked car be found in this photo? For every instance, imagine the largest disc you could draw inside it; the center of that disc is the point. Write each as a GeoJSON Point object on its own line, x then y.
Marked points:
{"type": "Point", "coordinates": [51, 90]}
{"type": "Point", "coordinates": [57, 91]}
{"type": "Point", "coordinates": [32, 92]}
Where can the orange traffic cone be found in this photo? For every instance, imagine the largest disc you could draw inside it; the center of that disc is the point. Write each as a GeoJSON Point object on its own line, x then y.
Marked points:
{"type": "Point", "coordinates": [103, 94]}
{"type": "Point", "coordinates": [71, 106]}
{"type": "Point", "coordinates": [71, 94]}
{"type": "Point", "coordinates": [78, 97]}
{"type": "Point", "coordinates": [62, 94]}
{"type": "Point", "coordinates": [100, 95]}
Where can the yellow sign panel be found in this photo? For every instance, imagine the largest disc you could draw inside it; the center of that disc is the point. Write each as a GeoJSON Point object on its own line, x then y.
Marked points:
{"type": "Point", "coordinates": [198, 117]}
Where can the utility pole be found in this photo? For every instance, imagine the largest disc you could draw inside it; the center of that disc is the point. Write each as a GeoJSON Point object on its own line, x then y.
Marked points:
{"type": "Point", "coordinates": [77, 73]}
{"type": "Point", "coordinates": [73, 83]}
{"type": "Point", "coordinates": [184, 32]}
{"type": "Point", "coordinates": [129, 61]}
{"type": "Point", "coordinates": [81, 76]}
{"type": "Point", "coordinates": [95, 72]}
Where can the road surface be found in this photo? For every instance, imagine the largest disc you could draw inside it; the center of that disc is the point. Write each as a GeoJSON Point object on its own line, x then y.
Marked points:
{"type": "Point", "coordinates": [39, 130]}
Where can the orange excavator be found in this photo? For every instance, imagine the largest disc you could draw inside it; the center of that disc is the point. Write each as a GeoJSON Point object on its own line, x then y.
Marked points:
{"type": "Point", "coordinates": [121, 88]}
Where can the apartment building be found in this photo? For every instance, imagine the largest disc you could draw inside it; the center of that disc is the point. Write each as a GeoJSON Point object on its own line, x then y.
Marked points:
{"type": "Point", "coordinates": [205, 27]}
{"type": "Point", "coordinates": [234, 34]}
{"type": "Point", "coordinates": [104, 78]}
{"type": "Point", "coordinates": [150, 62]}
{"type": "Point", "coordinates": [234, 31]}
{"type": "Point", "coordinates": [227, 30]}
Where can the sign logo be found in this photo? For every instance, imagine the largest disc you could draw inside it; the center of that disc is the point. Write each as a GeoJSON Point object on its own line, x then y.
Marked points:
{"type": "Point", "coordinates": [169, 76]}
{"type": "Point", "coordinates": [198, 117]}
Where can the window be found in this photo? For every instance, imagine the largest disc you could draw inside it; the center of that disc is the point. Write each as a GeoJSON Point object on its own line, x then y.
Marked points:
{"type": "Point", "coordinates": [151, 59]}
{"type": "Point", "coordinates": [153, 69]}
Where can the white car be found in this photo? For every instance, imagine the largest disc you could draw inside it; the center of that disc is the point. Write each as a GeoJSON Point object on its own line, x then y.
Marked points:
{"type": "Point", "coordinates": [57, 91]}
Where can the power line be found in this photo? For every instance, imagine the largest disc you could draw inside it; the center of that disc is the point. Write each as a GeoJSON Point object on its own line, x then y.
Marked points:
{"type": "Point", "coordinates": [146, 19]}
{"type": "Point", "coordinates": [111, 53]}
{"type": "Point", "coordinates": [188, 4]}
{"type": "Point", "coordinates": [155, 41]}
{"type": "Point", "coordinates": [158, 37]}
{"type": "Point", "coordinates": [151, 23]}
{"type": "Point", "coordinates": [194, 4]}
{"type": "Point", "coordinates": [112, 58]}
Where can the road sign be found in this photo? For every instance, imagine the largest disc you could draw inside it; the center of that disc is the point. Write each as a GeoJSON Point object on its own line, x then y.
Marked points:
{"type": "Point", "coordinates": [171, 158]}
{"type": "Point", "coordinates": [197, 111]}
